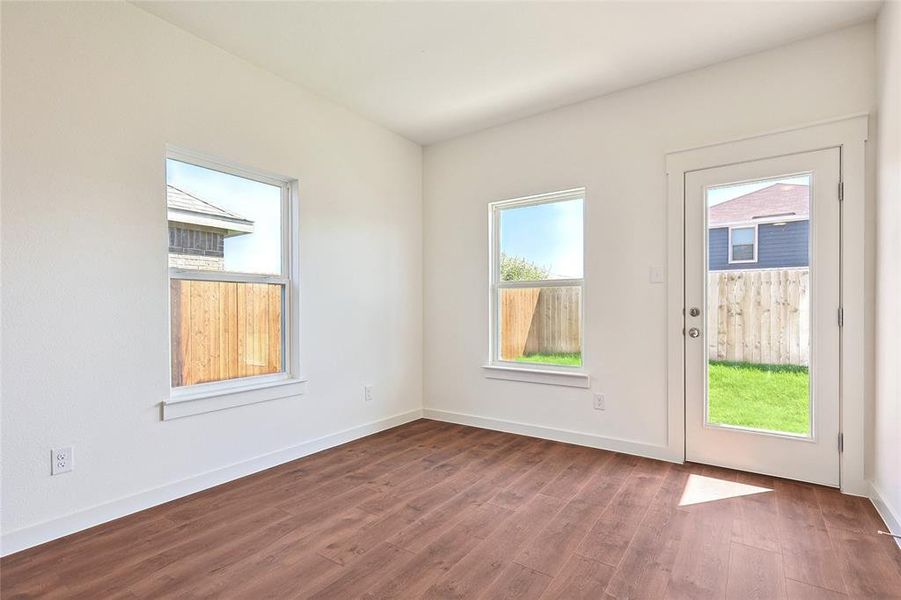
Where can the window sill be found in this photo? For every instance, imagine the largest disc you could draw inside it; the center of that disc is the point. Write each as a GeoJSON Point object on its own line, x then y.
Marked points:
{"type": "Point", "coordinates": [199, 400]}
{"type": "Point", "coordinates": [544, 376]}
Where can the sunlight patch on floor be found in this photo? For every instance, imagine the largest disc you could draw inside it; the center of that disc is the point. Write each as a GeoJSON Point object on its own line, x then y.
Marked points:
{"type": "Point", "coordinates": [700, 489]}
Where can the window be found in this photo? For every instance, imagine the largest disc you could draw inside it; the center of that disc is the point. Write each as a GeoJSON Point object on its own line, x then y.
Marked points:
{"type": "Point", "coordinates": [232, 277]}
{"type": "Point", "coordinates": [742, 244]}
{"type": "Point", "coordinates": [536, 281]}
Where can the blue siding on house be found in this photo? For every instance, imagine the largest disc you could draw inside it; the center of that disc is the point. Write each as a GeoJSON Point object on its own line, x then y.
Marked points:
{"type": "Point", "coordinates": [777, 246]}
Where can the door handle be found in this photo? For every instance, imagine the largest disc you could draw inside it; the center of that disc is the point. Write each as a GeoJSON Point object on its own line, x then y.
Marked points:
{"type": "Point", "coordinates": [694, 332]}
{"type": "Point", "coordinates": [694, 312]}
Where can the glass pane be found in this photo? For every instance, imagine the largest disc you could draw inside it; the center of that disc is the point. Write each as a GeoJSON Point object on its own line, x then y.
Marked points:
{"type": "Point", "coordinates": [225, 330]}
{"type": "Point", "coordinates": [758, 314]}
{"type": "Point", "coordinates": [221, 222]}
{"type": "Point", "coordinates": [541, 325]}
{"type": "Point", "coordinates": [541, 241]}
{"type": "Point", "coordinates": [743, 252]}
{"type": "Point", "coordinates": [744, 236]}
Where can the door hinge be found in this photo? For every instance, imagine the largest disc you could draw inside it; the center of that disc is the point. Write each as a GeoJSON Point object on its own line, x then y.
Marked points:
{"type": "Point", "coordinates": [841, 191]}
{"type": "Point", "coordinates": [841, 442]}
{"type": "Point", "coordinates": [841, 316]}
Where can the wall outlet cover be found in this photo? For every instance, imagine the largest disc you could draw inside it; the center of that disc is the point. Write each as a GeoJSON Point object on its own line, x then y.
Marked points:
{"type": "Point", "coordinates": [62, 460]}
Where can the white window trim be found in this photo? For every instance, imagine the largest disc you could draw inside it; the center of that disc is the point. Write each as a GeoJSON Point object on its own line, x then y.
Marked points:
{"type": "Point", "coordinates": [218, 395]}
{"type": "Point", "coordinates": [753, 226]}
{"type": "Point", "coordinates": [495, 368]}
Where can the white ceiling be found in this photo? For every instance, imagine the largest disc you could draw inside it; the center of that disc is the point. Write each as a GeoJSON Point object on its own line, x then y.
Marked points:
{"type": "Point", "coordinates": [434, 70]}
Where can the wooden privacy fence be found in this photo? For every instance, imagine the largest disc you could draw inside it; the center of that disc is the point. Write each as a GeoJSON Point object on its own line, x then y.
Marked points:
{"type": "Point", "coordinates": [540, 321]}
{"type": "Point", "coordinates": [759, 316]}
{"type": "Point", "coordinates": [223, 330]}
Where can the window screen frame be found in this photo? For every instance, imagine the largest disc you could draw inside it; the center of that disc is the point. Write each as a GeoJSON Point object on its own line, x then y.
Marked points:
{"type": "Point", "coordinates": [754, 227]}
{"type": "Point", "coordinates": [495, 284]}
{"type": "Point", "coordinates": [288, 278]}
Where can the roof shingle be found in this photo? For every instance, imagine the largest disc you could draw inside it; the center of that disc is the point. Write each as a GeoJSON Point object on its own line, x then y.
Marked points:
{"type": "Point", "coordinates": [177, 199]}
{"type": "Point", "coordinates": [778, 200]}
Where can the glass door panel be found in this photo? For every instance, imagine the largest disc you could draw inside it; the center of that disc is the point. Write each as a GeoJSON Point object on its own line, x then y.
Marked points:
{"type": "Point", "coordinates": [758, 305]}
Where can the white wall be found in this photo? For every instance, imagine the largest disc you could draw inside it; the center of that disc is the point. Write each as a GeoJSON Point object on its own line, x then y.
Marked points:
{"type": "Point", "coordinates": [92, 93]}
{"type": "Point", "coordinates": [615, 147]}
{"type": "Point", "coordinates": [886, 470]}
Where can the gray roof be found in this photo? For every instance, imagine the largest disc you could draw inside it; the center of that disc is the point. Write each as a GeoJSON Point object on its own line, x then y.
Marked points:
{"type": "Point", "coordinates": [187, 208]}
{"type": "Point", "coordinates": [778, 200]}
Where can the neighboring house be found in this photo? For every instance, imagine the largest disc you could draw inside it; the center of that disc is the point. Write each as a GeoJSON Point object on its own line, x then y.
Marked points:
{"type": "Point", "coordinates": [766, 229]}
{"type": "Point", "coordinates": [197, 231]}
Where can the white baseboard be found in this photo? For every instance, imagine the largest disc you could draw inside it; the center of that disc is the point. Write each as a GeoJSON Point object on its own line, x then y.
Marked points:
{"type": "Point", "coordinates": [33, 535]}
{"type": "Point", "coordinates": [888, 513]}
{"type": "Point", "coordinates": [579, 438]}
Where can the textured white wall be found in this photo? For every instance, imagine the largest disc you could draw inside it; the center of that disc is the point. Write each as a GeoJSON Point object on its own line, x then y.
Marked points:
{"type": "Point", "coordinates": [887, 415]}
{"type": "Point", "coordinates": [92, 93]}
{"type": "Point", "coordinates": [615, 147]}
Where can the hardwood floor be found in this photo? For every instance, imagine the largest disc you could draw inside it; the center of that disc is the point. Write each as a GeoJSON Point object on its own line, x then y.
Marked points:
{"type": "Point", "coordinates": [435, 510]}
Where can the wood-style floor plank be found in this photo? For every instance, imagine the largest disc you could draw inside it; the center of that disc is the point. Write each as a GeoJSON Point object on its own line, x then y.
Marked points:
{"type": "Point", "coordinates": [842, 511]}
{"type": "Point", "coordinates": [869, 571]}
{"type": "Point", "coordinates": [437, 510]}
{"type": "Point", "coordinates": [517, 582]}
{"type": "Point", "coordinates": [795, 590]}
{"type": "Point", "coordinates": [755, 574]}
{"type": "Point", "coordinates": [428, 565]}
{"type": "Point", "coordinates": [258, 574]}
{"type": "Point", "coordinates": [608, 539]}
{"type": "Point", "coordinates": [580, 579]}
{"type": "Point", "coordinates": [560, 538]}
{"type": "Point", "coordinates": [757, 513]}
{"type": "Point", "coordinates": [702, 561]}
{"type": "Point", "coordinates": [481, 567]}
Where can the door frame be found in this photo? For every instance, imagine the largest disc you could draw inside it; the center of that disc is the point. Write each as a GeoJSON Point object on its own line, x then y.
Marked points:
{"type": "Point", "coordinates": [849, 134]}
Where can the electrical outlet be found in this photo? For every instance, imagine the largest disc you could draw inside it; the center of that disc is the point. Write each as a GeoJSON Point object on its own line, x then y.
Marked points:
{"type": "Point", "coordinates": [367, 393]}
{"type": "Point", "coordinates": [655, 274]}
{"type": "Point", "coordinates": [62, 460]}
{"type": "Point", "coordinates": [600, 402]}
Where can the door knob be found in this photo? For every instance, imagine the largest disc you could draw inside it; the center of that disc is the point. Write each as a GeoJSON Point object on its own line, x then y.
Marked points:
{"type": "Point", "coordinates": [694, 332]}
{"type": "Point", "coordinates": [694, 312]}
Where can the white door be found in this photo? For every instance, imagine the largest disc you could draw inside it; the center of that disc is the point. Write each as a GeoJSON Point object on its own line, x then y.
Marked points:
{"type": "Point", "coordinates": [762, 316]}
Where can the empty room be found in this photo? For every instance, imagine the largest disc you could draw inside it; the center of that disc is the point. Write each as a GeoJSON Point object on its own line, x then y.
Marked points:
{"type": "Point", "coordinates": [450, 299]}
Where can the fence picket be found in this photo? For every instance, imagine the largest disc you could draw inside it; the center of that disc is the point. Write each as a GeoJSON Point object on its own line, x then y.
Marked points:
{"type": "Point", "coordinates": [762, 316]}
{"type": "Point", "coordinates": [224, 330]}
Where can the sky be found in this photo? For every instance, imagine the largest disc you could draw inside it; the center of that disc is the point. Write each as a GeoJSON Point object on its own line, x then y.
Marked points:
{"type": "Point", "coordinates": [549, 235]}
{"type": "Point", "coordinates": [723, 193]}
{"type": "Point", "coordinates": [257, 252]}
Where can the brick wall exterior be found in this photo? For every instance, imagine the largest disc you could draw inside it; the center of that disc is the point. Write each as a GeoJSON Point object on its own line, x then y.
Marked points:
{"type": "Point", "coordinates": [200, 249]}
{"type": "Point", "coordinates": [203, 242]}
{"type": "Point", "coordinates": [196, 263]}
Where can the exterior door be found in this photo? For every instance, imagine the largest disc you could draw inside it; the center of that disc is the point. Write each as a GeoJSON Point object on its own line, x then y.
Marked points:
{"type": "Point", "coordinates": [762, 297]}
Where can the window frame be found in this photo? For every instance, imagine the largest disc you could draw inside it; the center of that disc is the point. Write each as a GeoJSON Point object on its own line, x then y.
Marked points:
{"type": "Point", "coordinates": [754, 227]}
{"type": "Point", "coordinates": [216, 395]}
{"type": "Point", "coordinates": [534, 372]}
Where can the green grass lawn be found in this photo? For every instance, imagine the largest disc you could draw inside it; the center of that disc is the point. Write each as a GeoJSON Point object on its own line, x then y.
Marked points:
{"type": "Point", "coordinates": [771, 397]}
{"type": "Point", "coordinates": [573, 359]}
